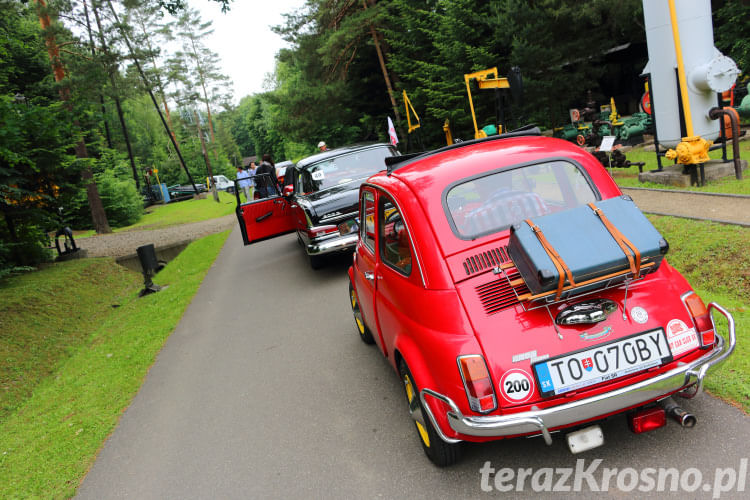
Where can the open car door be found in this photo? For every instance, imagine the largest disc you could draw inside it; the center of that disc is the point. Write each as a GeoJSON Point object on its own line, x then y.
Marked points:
{"type": "Point", "coordinates": [263, 218]}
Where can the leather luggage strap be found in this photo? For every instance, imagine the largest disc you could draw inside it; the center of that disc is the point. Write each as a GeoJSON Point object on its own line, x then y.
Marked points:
{"type": "Point", "coordinates": [630, 250]}
{"type": "Point", "coordinates": [562, 268]}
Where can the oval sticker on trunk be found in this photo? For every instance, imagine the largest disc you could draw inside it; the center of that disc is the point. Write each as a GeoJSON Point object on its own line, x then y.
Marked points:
{"type": "Point", "coordinates": [681, 338]}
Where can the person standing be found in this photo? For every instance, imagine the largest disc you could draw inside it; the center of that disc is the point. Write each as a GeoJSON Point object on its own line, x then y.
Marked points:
{"type": "Point", "coordinates": [322, 146]}
{"type": "Point", "coordinates": [243, 182]}
{"type": "Point", "coordinates": [251, 172]}
{"type": "Point", "coordinates": [266, 176]}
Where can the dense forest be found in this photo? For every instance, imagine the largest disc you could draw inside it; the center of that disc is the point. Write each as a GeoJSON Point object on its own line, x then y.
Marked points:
{"type": "Point", "coordinates": [95, 95]}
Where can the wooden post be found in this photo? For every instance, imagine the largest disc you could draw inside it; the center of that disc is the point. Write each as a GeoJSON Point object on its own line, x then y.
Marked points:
{"type": "Point", "coordinates": [383, 67]}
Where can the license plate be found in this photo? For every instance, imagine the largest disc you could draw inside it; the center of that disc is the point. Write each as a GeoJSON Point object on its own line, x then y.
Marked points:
{"type": "Point", "coordinates": [612, 360]}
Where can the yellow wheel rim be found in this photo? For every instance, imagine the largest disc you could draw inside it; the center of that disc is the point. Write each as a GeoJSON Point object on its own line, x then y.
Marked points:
{"type": "Point", "coordinates": [410, 395]}
{"type": "Point", "coordinates": [357, 314]}
{"type": "Point", "coordinates": [423, 434]}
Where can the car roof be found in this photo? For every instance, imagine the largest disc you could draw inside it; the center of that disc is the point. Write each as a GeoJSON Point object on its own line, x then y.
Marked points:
{"type": "Point", "coordinates": [352, 148]}
{"type": "Point", "coordinates": [429, 175]}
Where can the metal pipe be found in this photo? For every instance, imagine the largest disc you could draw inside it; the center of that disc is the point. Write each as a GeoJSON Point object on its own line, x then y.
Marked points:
{"type": "Point", "coordinates": [681, 70]}
{"type": "Point", "coordinates": [675, 411]}
{"type": "Point", "coordinates": [715, 114]}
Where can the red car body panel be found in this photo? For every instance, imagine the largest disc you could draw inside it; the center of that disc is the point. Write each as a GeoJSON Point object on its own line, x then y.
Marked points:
{"type": "Point", "coordinates": [266, 218]}
{"type": "Point", "coordinates": [435, 314]}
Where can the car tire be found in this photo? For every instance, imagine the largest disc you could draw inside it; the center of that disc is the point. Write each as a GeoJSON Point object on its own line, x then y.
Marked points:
{"type": "Point", "coordinates": [438, 451]}
{"type": "Point", "coordinates": [364, 332]}
{"type": "Point", "coordinates": [316, 261]}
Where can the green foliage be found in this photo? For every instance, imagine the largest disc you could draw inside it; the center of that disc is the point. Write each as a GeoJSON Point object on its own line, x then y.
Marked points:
{"type": "Point", "coordinates": [36, 169]}
{"type": "Point", "coordinates": [121, 200]}
{"type": "Point", "coordinates": [51, 439]}
{"type": "Point", "coordinates": [732, 32]}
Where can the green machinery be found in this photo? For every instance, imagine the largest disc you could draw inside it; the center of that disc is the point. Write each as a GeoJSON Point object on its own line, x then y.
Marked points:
{"type": "Point", "coordinates": [589, 126]}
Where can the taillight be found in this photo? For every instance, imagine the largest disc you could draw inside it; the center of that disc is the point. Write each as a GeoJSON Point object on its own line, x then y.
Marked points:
{"type": "Point", "coordinates": [647, 420]}
{"type": "Point", "coordinates": [477, 383]}
{"type": "Point", "coordinates": [701, 319]}
{"type": "Point", "coordinates": [314, 232]}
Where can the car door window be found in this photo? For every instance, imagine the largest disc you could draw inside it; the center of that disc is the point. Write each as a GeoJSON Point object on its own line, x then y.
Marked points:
{"type": "Point", "coordinates": [367, 216]}
{"type": "Point", "coordinates": [395, 244]}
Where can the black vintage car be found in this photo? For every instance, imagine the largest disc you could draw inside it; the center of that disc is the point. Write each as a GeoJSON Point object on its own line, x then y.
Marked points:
{"type": "Point", "coordinates": [319, 200]}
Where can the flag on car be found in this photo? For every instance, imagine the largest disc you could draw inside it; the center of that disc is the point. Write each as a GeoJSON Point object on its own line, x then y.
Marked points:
{"type": "Point", "coordinates": [392, 132]}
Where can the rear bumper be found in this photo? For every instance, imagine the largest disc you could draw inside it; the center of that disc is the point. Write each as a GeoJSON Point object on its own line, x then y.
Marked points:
{"type": "Point", "coordinates": [687, 378]}
{"type": "Point", "coordinates": [332, 245]}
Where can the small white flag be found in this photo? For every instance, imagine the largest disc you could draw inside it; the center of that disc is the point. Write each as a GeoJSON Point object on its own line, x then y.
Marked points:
{"type": "Point", "coordinates": [392, 132]}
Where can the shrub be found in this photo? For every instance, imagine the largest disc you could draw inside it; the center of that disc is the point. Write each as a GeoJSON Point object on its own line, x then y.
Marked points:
{"type": "Point", "coordinates": [120, 198]}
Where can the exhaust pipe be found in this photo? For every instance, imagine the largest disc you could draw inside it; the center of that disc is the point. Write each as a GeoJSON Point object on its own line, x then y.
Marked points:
{"type": "Point", "coordinates": [674, 410]}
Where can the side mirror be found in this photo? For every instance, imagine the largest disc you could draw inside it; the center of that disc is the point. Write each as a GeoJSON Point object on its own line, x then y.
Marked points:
{"type": "Point", "coordinates": [288, 190]}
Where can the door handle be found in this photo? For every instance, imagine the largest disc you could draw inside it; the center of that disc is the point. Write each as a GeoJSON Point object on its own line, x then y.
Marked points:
{"type": "Point", "coordinates": [369, 275]}
{"type": "Point", "coordinates": [263, 217]}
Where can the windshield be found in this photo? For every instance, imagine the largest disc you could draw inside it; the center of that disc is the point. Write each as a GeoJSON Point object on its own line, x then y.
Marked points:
{"type": "Point", "coordinates": [494, 202]}
{"type": "Point", "coordinates": [342, 169]}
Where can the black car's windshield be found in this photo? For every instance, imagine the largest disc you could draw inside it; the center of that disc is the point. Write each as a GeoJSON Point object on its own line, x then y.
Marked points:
{"type": "Point", "coordinates": [494, 202]}
{"type": "Point", "coordinates": [342, 169]}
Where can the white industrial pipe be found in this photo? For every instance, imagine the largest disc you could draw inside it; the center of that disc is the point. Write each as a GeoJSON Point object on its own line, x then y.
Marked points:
{"type": "Point", "coordinates": [707, 71]}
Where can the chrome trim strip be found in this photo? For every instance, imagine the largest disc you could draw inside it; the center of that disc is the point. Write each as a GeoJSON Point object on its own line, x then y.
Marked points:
{"type": "Point", "coordinates": [703, 370]}
{"type": "Point", "coordinates": [685, 376]}
{"type": "Point", "coordinates": [340, 243]}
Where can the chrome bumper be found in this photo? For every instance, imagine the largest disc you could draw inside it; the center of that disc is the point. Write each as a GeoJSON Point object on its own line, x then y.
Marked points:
{"type": "Point", "coordinates": [337, 244]}
{"type": "Point", "coordinates": [684, 378]}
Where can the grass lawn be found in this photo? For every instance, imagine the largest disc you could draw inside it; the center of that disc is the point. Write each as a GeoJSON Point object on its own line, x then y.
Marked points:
{"type": "Point", "coordinates": [69, 393]}
{"type": "Point", "coordinates": [48, 314]}
{"type": "Point", "coordinates": [173, 214]}
{"type": "Point", "coordinates": [183, 212]}
{"type": "Point", "coordinates": [714, 259]}
{"type": "Point", "coordinates": [628, 177]}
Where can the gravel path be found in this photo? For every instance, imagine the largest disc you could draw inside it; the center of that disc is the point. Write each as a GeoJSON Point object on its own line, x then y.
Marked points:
{"type": "Point", "coordinates": [732, 209]}
{"type": "Point", "coordinates": [125, 243]}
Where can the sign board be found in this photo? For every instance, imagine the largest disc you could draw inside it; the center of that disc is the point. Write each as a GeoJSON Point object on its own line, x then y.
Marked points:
{"type": "Point", "coordinates": [607, 142]}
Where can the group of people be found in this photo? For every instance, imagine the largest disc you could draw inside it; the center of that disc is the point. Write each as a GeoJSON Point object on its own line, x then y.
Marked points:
{"type": "Point", "coordinates": [251, 177]}
{"type": "Point", "coordinates": [261, 178]}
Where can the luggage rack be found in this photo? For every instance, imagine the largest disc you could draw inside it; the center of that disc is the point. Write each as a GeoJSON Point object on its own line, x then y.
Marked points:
{"type": "Point", "coordinates": [530, 302]}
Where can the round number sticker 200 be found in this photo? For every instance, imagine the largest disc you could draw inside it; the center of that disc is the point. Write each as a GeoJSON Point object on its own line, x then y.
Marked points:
{"type": "Point", "coordinates": [516, 386]}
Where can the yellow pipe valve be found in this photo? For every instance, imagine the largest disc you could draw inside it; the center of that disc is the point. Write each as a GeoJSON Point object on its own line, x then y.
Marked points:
{"type": "Point", "coordinates": [691, 151]}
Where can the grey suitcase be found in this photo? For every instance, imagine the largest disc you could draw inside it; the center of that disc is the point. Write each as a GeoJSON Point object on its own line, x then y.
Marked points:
{"type": "Point", "coordinates": [586, 246]}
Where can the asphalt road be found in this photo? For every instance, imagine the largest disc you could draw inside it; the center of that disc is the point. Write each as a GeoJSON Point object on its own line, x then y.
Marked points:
{"type": "Point", "coordinates": [264, 390]}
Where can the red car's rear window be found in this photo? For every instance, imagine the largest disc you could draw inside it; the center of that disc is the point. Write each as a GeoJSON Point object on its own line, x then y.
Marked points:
{"type": "Point", "coordinates": [493, 202]}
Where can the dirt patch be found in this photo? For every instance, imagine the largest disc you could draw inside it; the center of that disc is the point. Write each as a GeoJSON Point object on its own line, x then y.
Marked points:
{"type": "Point", "coordinates": [125, 243]}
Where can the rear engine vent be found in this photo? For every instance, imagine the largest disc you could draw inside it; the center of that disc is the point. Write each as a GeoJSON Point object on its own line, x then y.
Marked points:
{"type": "Point", "coordinates": [486, 260]}
{"type": "Point", "coordinates": [498, 294]}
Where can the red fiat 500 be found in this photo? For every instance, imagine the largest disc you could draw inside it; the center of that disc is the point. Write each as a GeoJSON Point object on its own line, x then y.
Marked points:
{"type": "Point", "coordinates": [480, 356]}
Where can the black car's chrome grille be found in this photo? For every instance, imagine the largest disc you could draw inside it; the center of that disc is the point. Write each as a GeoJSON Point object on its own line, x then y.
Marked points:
{"type": "Point", "coordinates": [486, 260]}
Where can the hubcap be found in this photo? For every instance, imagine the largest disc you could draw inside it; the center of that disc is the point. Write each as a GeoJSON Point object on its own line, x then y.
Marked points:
{"type": "Point", "coordinates": [415, 410]}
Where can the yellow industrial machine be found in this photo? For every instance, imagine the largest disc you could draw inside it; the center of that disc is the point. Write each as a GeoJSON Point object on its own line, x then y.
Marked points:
{"type": "Point", "coordinates": [486, 79]}
{"type": "Point", "coordinates": [413, 126]}
{"type": "Point", "coordinates": [408, 106]}
{"type": "Point", "coordinates": [448, 133]}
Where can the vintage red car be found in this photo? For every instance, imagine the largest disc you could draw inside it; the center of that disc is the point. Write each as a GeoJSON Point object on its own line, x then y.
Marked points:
{"type": "Point", "coordinates": [433, 286]}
